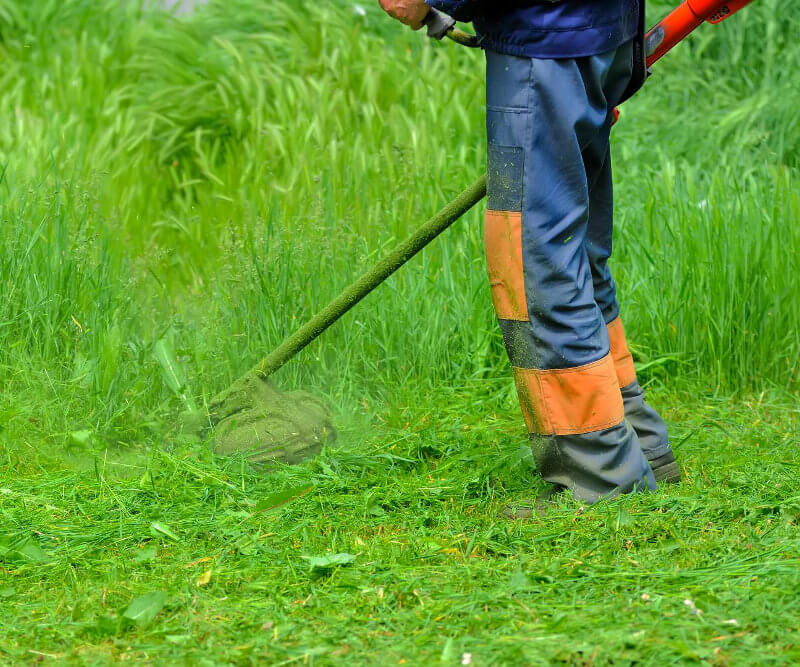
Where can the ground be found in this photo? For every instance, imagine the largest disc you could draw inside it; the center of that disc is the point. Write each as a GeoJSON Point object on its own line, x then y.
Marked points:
{"type": "Point", "coordinates": [707, 570]}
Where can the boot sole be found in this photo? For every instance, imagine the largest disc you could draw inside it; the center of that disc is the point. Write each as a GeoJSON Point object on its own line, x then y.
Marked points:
{"type": "Point", "coordinates": [669, 473]}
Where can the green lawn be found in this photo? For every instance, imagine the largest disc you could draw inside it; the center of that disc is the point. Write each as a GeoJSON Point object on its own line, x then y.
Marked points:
{"type": "Point", "coordinates": [203, 185]}
{"type": "Point", "coordinates": [708, 570]}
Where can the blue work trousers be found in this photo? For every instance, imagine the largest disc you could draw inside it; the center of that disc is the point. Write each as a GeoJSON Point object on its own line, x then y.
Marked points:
{"type": "Point", "coordinates": [548, 241]}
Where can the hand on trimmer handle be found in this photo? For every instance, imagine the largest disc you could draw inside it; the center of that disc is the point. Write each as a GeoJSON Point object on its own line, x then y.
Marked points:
{"type": "Point", "coordinates": [438, 24]}
{"type": "Point", "coordinates": [441, 25]}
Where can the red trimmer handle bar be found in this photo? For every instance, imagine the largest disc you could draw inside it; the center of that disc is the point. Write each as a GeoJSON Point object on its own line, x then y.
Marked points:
{"type": "Point", "coordinates": [683, 20]}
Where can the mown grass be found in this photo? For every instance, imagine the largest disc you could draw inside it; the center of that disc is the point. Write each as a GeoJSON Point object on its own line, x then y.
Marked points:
{"type": "Point", "coordinates": [705, 571]}
{"type": "Point", "coordinates": [209, 182]}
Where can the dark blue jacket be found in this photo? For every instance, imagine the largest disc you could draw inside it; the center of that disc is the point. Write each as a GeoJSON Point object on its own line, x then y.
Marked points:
{"type": "Point", "coordinates": [567, 29]}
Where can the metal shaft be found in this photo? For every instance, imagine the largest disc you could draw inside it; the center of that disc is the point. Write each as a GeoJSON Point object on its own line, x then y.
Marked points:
{"type": "Point", "coordinates": [357, 290]}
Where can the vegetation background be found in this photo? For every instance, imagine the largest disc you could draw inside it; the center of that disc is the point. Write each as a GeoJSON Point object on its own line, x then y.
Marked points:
{"type": "Point", "coordinates": [182, 192]}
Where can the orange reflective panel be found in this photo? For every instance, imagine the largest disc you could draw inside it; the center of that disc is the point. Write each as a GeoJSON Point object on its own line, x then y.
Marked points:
{"type": "Point", "coordinates": [570, 400]}
{"type": "Point", "coordinates": [623, 361]}
{"type": "Point", "coordinates": [503, 238]}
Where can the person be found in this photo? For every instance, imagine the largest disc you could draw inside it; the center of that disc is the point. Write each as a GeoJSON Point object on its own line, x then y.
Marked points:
{"type": "Point", "coordinates": [555, 71]}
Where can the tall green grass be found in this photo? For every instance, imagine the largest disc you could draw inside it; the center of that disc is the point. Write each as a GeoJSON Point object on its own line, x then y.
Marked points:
{"type": "Point", "coordinates": [213, 179]}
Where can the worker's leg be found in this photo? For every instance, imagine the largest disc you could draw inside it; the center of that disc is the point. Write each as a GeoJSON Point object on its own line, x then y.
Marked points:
{"type": "Point", "coordinates": [540, 114]}
{"type": "Point", "coordinates": [647, 423]}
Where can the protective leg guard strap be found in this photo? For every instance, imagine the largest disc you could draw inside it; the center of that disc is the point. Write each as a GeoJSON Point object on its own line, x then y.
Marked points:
{"type": "Point", "coordinates": [568, 401]}
{"type": "Point", "coordinates": [503, 236]}
{"type": "Point", "coordinates": [623, 360]}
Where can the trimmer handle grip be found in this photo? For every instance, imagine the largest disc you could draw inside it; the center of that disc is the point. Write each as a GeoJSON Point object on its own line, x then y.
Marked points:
{"type": "Point", "coordinates": [441, 25]}
{"type": "Point", "coordinates": [438, 24]}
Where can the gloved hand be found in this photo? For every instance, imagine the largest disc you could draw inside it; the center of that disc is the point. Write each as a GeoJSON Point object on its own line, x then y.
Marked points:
{"type": "Point", "coordinates": [410, 12]}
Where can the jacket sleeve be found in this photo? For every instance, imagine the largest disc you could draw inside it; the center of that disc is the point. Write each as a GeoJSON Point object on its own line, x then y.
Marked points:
{"type": "Point", "coordinates": [461, 10]}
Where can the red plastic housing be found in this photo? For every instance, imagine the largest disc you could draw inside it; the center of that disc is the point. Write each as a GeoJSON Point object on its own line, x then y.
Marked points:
{"type": "Point", "coordinates": [683, 20]}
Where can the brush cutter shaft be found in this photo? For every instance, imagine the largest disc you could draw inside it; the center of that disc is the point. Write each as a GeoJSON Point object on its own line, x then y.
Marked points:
{"type": "Point", "coordinates": [355, 292]}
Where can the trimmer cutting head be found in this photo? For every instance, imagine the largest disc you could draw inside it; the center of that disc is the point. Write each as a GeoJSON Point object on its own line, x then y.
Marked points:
{"type": "Point", "coordinates": [254, 419]}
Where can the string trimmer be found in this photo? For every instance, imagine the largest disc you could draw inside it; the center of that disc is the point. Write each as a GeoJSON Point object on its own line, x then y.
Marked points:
{"type": "Point", "coordinates": [252, 416]}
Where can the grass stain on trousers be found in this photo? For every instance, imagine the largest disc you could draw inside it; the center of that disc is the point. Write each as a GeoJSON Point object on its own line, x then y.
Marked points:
{"type": "Point", "coordinates": [548, 236]}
